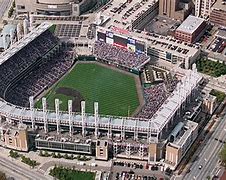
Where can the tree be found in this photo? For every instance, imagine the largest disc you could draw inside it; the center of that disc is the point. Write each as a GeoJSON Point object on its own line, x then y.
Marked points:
{"type": "Point", "coordinates": [59, 155]}
{"type": "Point", "coordinates": [41, 153]}
{"type": "Point", "coordinates": [72, 157]}
{"type": "Point", "coordinates": [4, 22]}
{"type": "Point", "coordinates": [2, 176]}
{"type": "Point", "coordinates": [54, 155]}
{"type": "Point", "coordinates": [10, 13]}
{"type": "Point", "coordinates": [46, 154]}
{"type": "Point", "coordinates": [13, 154]}
{"type": "Point", "coordinates": [66, 156]}
{"type": "Point", "coordinates": [14, 4]}
{"type": "Point", "coordinates": [222, 155]}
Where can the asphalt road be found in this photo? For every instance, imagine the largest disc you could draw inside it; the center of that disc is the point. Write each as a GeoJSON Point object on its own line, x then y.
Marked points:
{"type": "Point", "coordinates": [4, 5]}
{"type": "Point", "coordinates": [21, 171]}
{"type": "Point", "coordinates": [9, 173]}
{"type": "Point", "coordinates": [209, 156]}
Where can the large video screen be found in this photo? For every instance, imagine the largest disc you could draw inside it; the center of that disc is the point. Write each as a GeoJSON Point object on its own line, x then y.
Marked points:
{"type": "Point", "coordinates": [101, 36]}
{"type": "Point", "coordinates": [120, 41]}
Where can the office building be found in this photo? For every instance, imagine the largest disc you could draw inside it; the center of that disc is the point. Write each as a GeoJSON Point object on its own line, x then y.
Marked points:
{"type": "Point", "coordinates": [203, 8]}
{"type": "Point", "coordinates": [218, 13]}
{"type": "Point", "coordinates": [175, 9]}
{"type": "Point", "coordinates": [180, 140]}
{"type": "Point", "coordinates": [191, 29]}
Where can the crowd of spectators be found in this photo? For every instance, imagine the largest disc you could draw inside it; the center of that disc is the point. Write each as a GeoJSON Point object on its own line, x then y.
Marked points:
{"type": "Point", "coordinates": [119, 56]}
{"type": "Point", "coordinates": [25, 58]}
{"type": "Point", "coordinates": [41, 78]}
{"type": "Point", "coordinates": [155, 96]}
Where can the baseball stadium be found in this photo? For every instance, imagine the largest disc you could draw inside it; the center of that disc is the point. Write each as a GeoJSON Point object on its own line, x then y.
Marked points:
{"type": "Point", "coordinates": [117, 103]}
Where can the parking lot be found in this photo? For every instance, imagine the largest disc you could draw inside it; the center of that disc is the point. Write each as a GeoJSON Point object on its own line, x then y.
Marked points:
{"type": "Point", "coordinates": [138, 171]}
{"type": "Point", "coordinates": [131, 175]}
{"type": "Point", "coordinates": [218, 45]}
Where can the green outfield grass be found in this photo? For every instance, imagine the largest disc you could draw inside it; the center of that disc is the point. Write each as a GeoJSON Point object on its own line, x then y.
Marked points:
{"type": "Point", "coordinates": [115, 91]}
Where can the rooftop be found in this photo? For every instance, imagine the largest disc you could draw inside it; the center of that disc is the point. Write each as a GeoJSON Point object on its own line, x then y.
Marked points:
{"type": "Point", "coordinates": [190, 24]}
{"type": "Point", "coordinates": [6, 32]}
{"type": "Point", "coordinates": [124, 12]}
{"type": "Point", "coordinates": [220, 5]}
{"type": "Point", "coordinates": [12, 129]}
{"type": "Point", "coordinates": [189, 127]}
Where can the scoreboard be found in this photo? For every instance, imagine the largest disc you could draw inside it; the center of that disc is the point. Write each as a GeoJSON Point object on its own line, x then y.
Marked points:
{"type": "Point", "coordinates": [109, 37]}
{"type": "Point", "coordinates": [121, 41]}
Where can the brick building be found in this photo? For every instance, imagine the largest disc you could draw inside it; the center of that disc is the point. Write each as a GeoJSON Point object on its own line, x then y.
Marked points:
{"type": "Point", "coordinates": [191, 29]}
{"type": "Point", "coordinates": [218, 13]}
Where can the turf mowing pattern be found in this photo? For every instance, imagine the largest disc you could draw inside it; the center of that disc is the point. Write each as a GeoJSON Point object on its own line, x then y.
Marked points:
{"type": "Point", "coordinates": [115, 91]}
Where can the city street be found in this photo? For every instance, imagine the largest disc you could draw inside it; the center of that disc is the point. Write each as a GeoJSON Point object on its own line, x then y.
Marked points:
{"type": "Point", "coordinates": [207, 163]}
{"type": "Point", "coordinates": [21, 171]}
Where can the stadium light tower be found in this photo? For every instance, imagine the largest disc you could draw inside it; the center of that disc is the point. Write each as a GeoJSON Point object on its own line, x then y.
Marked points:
{"type": "Point", "coordinates": [57, 115]}
{"type": "Point", "coordinates": [4, 42]}
{"type": "Point", "coordinates": [31, 101]}
{"type": "Point", "coordinates": [44, 114]}
{"type": "Point", "coordinates": [11, 36]}
{"type": "Point", "coordinates": [96, 118]}
{"type": "Point", "coordinates": [25, 26]}
{"type": "Point", "coordinates": [109, 128]}
{"type": "Point", "coordinates": [135, 130]}
{"type": "Point", "coordinates": [18, 30]}
{"type": "Point", "coordinates": [122, 129]}
{"type": "Point", "coordinates": [69, 116]}
{"type": "Point", "coordinates": [83, 117]}
{"type": "Point", "coordinates": [31, 19]}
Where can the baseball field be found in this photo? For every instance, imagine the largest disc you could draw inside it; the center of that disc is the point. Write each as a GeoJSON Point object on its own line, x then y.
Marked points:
{"type": "Point", "coordinates": [115, 91]}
